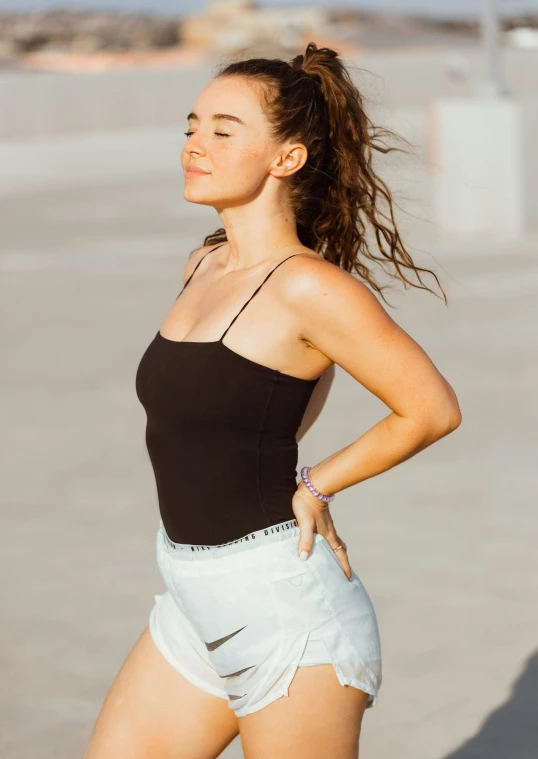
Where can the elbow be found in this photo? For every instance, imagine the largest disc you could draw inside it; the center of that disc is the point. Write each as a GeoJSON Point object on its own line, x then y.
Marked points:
{"type": "Point", "coordinates": [449, 419]}
{"type": "Point", "coordinates": [453, 413]}
{"type": "Point", "coordinates": [441, 424]}
{"type": "Point", "coordinates": [454, 419]}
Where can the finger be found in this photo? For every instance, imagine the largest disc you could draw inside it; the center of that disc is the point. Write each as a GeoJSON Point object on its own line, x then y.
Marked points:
{"type": "Point", "coordinates": [306, 538]}
{"type": "Point", "coordinates": [342, 556]}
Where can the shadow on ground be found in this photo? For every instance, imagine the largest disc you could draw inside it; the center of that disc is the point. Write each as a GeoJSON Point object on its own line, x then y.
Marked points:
{"type": "Point", "coordinates": [511, 731]}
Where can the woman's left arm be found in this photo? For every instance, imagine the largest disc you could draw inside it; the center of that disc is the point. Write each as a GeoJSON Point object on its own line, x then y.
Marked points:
{"type": "Point", "coordinates": [344, 320]}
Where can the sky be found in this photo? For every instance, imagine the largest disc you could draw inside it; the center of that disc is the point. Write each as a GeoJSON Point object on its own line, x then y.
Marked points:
{"type": "Point", "coordinates": [443, 8]}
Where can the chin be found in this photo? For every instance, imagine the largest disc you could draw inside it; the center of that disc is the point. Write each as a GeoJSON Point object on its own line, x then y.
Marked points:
{"type": "Point", "coordinates": [192, 196]}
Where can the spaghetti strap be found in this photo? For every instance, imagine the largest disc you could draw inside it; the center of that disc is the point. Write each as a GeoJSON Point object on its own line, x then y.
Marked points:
{"type": "Point", "coordinates": [254, 293]}
{"type": "Point", "coordinates": [197, 265]}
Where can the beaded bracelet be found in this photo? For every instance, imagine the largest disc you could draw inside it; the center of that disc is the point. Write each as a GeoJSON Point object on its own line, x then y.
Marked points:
{"type": "Point", "coordinates": [306, 480]}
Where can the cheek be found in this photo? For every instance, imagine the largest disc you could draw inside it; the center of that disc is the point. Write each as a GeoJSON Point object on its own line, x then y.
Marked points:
{"type": "Point", "coordinates": [242, 165]}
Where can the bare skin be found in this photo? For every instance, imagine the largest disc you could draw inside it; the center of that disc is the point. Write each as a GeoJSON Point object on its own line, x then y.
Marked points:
{"type": "Point", "coordinates": [319, 719]}
{"type": "Point", "coordinates": [153, 712]}
{"type": "Point", "coordinates": [319, 316]}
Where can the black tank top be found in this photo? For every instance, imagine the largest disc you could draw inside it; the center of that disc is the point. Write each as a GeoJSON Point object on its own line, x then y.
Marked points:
{"type": "Point", "coordinates": [221, 436]}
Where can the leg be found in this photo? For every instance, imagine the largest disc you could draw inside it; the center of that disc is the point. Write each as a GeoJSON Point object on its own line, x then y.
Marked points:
{"type": "Point", "coordinates": [153, 712]}
{"type": "Point", "coordinates": [319, 718]}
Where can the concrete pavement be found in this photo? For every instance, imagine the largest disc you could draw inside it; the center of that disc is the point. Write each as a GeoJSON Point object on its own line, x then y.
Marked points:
{"type": "Point", "coordinates": [445, 543]}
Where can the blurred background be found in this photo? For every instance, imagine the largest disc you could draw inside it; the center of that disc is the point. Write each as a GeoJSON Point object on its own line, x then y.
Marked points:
{"type": "Point", "coordinates": [94, 237]}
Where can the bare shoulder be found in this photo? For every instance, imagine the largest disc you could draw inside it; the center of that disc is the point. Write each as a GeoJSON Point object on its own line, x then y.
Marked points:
{"type": "Point", "coordinates": [312, 282]}
{"type": "Point", "coordinates": [194, 259]}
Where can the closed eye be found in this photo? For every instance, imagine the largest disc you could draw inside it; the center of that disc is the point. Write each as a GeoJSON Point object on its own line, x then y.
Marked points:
{"type": "Point", "coordinates": [220, 134]}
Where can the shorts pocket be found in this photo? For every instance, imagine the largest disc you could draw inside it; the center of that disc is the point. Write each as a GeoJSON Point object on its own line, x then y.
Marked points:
{"type": "Point", "coordinates": [298, 596]}
{"type": "Point", "coordinates": [350, 603]}
{"type": "Point", "coordinates": [326, 547]}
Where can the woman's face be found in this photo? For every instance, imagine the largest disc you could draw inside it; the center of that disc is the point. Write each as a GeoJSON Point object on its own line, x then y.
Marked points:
{"type": "Point", "coordinates": [236, 152]}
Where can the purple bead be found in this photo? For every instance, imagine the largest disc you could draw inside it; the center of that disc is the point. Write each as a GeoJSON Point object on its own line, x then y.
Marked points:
{"type": "Point", "coordinates": [316, 493]}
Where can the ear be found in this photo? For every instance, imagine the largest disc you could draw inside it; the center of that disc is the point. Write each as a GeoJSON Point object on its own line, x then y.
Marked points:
{"type": "Point", "coordinates": [289, 160]}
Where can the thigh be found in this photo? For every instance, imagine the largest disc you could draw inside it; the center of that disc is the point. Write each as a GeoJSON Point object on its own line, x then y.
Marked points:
{"type": "Point", "coordinates": [319, 718]}
{"type": "Point", "coordinates": [153, 712]}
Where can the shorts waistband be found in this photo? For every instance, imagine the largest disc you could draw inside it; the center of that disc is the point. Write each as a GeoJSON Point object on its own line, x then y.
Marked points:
{"type": "Point", "coordinates": [274, 533]}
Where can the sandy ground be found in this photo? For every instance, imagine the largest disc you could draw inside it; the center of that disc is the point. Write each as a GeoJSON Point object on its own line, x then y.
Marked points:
{"type": "Point", "coordinates": [445, 543]}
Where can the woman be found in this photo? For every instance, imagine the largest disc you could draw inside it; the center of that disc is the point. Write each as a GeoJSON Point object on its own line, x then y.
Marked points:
{"type": "Point", "coordinates": [261, 601]}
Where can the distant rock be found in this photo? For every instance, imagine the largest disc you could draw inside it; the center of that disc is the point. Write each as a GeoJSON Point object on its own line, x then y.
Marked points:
{"type": "Point", "coordinates": [85, 31]}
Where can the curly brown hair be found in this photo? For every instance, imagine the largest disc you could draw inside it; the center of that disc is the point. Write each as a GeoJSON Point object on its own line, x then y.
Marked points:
{"type": "Point", "coordinates": [336, 194]}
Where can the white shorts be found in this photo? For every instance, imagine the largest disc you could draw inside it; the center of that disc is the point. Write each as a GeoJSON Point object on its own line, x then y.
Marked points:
{"type": "Point", "coordinates": [238, 619]}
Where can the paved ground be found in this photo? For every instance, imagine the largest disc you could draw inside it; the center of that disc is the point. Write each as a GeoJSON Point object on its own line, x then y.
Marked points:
{"type": "Point", "coordinates": [445, 543]}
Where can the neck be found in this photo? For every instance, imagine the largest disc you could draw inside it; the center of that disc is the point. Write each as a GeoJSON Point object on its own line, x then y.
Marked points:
{"type": "Point", "coordinates": [252, 242]}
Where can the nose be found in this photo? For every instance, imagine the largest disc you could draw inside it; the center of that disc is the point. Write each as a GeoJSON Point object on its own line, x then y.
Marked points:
{"type": "Point", "coordinates": [194, 144]}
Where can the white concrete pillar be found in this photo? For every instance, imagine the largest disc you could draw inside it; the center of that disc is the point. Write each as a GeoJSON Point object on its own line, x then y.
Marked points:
{"type": "Point", "coordinates": [492, 82]}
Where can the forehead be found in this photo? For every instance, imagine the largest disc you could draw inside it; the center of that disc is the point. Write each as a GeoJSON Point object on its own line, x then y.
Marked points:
{"type": "Point", "coordinates": [232, 95]}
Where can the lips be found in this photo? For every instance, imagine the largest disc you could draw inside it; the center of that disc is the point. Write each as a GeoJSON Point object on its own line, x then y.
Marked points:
{"type": "Point", "coordinates": [195, 170]}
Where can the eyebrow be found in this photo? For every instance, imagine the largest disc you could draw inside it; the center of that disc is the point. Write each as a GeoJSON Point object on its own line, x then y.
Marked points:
{"type": "Point", "coordinates": [217, 117]}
